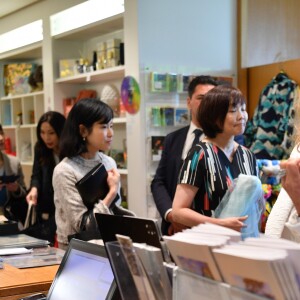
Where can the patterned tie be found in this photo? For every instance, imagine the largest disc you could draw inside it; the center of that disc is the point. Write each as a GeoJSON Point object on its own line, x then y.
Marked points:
{"type": "Point", "coordinates": [198, 133]}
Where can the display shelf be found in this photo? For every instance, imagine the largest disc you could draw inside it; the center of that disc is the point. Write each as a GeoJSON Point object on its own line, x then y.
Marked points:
{"type": "Point", "coordinates": [29, 52]}
{"type": "Point", "coordinates": [121, 120]}
{"type": "Point", "coordinates": [30, 105]}
{"type": "Point", "coordinates": [19, 113]}
{"type": "Point", "coordinates": [123, 171]}
{"type": "Point", "coordinates": [22, 95]}
{"type": "Point", "coordinates": [96, 76]}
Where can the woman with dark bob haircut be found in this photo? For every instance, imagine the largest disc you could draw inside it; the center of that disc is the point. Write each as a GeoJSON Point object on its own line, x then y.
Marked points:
{"type": "Point", "coordinates": [46, 157]}
{"type": "Point", "coordinates": [88, 132]}
{"type": "Point", "coordinates": [213, 164]}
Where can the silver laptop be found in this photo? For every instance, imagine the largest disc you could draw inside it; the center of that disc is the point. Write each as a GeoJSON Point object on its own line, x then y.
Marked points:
{"type": "Point", "coordinates": [84, 273]}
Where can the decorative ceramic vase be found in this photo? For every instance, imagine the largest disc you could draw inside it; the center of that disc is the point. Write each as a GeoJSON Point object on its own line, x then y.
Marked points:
{"type": "Point", "coordinates": [111, 96]}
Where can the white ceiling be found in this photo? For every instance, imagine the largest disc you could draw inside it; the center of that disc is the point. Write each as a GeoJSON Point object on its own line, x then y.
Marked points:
{"type": "Point", "coordinates": [9, 6]}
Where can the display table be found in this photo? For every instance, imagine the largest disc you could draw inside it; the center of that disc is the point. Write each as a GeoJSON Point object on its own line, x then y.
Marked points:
{"type": "Point", "coordinates": [16, 283]}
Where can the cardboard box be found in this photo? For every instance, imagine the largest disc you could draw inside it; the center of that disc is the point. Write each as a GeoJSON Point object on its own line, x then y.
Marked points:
{"type": "Point", "coordinates": [113, 52]}
{"type": "Point", "coordinates": [68, 67]}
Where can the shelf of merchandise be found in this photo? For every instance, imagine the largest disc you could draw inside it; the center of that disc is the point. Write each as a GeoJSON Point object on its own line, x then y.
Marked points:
{"type": "Point", "coordinates": [96, 76]}
{"type": "Point", "coordinates": [22, 129]}
{"type": "Point", "coordinates": [123, 171]}
{"type": "Point", "coordinates": [22, 137]}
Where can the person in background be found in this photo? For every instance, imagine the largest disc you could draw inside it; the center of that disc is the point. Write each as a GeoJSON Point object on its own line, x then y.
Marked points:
{"type": "Point", "coordinates": [213, 163]}
{"type": "Point", "coordinates": [11, 193]}
{"type": "Point", "coordinates": [176, 146]}
{"type": "Point", "coordinates": [284, 219]}
{"type": "Point", "coordinates": [46, 157]}
{"type": "Point", "coordinates": [87, 134]}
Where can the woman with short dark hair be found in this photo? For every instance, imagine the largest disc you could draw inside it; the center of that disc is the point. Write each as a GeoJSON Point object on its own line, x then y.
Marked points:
{"type": "Point", "coordinates": [213, 164]}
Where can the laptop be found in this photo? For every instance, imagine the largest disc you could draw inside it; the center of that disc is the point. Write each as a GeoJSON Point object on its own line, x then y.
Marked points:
{"type": "Point", "coordinates": [84, 273]}
{"type": "Point", "coordinates": [140, 230]}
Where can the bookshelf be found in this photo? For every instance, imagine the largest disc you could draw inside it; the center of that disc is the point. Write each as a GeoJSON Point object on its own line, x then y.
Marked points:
{"type": "Point", "coordinates": [20, 113]}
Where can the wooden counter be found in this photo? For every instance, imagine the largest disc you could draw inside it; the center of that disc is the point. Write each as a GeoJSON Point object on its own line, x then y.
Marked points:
{"type": "Point", "coordinates": [16, 283]}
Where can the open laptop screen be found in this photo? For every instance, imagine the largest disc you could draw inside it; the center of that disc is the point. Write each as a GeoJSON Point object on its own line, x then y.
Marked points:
{"type": "Point", "coordinates": [85, 273]}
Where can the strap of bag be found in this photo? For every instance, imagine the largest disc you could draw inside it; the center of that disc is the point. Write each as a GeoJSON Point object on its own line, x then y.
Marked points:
{"type": "Point", "coordinates": [84, 219]}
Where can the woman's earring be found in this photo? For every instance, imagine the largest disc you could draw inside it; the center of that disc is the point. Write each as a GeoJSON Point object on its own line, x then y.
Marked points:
{"type": "Point", "coordinates": [83, 139]}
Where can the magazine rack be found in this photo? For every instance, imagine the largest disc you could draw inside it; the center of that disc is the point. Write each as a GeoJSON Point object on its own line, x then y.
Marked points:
{"type": "Point", "coordinates": [207, 288]}
{"type": "Point", "coordinates": [121, 271]}
{"type": "Point", "coordinates": [186, 285]}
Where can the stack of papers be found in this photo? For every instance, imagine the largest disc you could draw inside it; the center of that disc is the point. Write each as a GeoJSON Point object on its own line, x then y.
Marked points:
{"type": "Point", "coordinates": [213, 229]}
{"type": "Point", "coordinates": [192, 251]}
{"type": "Point", "coordinates": [21, 240]}
{"type": "Point", "coordinates": [36, 257]}
{"type": "Point", "coordinates": [23, 251]}
{"type": "Point", "coordinates": [14, 251]}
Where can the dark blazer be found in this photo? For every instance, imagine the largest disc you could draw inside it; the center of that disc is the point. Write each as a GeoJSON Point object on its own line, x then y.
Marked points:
{"type": "Point", "coordinates": [41, 178]}
{"type": "Point", "coordinates": [164, 184]}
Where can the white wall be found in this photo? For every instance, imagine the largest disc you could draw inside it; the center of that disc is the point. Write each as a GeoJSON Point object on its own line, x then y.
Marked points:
{"type": "Point", "coordinates": [193, 35]}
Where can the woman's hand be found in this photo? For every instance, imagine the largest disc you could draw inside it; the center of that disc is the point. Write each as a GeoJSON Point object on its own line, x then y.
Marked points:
{"type": "Point", "coordinates": [113, 181]}
{"type": "Point", "coordinates": [32, 196]}
{"type": "Point", "coordinates": [235, 223]}
{"type": "Point", "coordinates": [174, 227]}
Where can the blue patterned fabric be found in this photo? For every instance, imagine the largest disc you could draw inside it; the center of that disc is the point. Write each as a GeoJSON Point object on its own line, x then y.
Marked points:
{"type": "Point", "coordinates": [269, 134]}
{"type": "Point", "coordinates": [245, 198]}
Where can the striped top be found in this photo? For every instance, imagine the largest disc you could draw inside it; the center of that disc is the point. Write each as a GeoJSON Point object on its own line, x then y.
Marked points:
{"type": "Point", "coordinates": [208, 168]}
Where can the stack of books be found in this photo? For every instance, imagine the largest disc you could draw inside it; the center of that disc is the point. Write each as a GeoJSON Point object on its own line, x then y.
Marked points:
{"type": "Point", "coordinates": [263, 267]}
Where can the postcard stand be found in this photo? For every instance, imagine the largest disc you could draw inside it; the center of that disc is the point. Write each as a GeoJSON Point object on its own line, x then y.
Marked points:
{"type": "Point", "coordinates": [195, 285]}
{"type": "Point", "coordinates": [123, 274]}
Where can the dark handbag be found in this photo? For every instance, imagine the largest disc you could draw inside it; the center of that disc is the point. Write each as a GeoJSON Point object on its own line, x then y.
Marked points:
{"type": "Point", "coordinates": [87, 234]}
{"type": "Point", "coordinates": [92, 232]}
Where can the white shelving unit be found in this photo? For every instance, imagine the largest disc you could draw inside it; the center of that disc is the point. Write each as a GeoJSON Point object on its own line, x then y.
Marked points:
{"type": "Point", "coordinates": [96, 76]}
{"type": "Point", "coordinates": [32, 107]}
{"type": "Point", "coordinates": [71, 44]}
{"type": "Point", "coordinates": [20, 113]}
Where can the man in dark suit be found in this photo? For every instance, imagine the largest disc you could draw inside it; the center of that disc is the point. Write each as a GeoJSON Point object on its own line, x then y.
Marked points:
{"type": "Point", "coordinates": [176, 146]}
